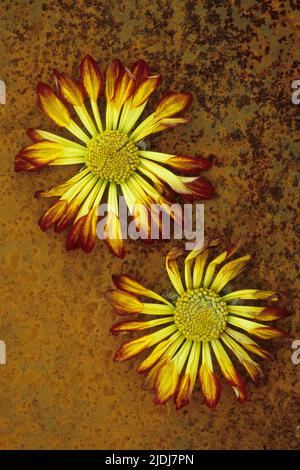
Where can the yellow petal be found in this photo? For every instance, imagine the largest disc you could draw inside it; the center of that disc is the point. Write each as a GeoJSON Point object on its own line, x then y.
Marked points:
{"type": "Point", "coordinates": [172, 269]}
{"type": "Point", "coordinates": [173, 104]}
{"type": "Point", "coordinates": [123, 302]}
{"type": "Point", "coordinates": [70, 89]}
{"type": "Point", "coordinates": [92, 77]}
{"type": "Point", "coordinates": [52, 105]}
{"type": "Point", "coordinates": [229, 272]}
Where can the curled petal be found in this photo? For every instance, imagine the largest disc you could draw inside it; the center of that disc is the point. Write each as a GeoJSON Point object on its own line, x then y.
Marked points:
{"type": "Point", "coordinates": [140, 69]}
{"type": "Point", "coordinates": [123, 302]}
{"type": "Point", "coordinates": [124, 87]}
{"type": "Point", "coordinates": [92, 77]}
{"type": "Point", "coordinates": [113, 74]}
{"type": "Point", "coordinates": [52, 105]}
{"type": "Point", "coordinates": [184, 391]}
{"type": "Point", "coordinates": [113, 235]}
{"type": "Point", "coordinates": [41, 154]}
{"type": "Point", "coordinates": [128, 284]}
{"type": "Point", "coordinates": [172, 269]}
{"type": "Point", "coordinates": [228, 272]}
{"type": "Point", "coordinates": [210, 385]}
{"type": "Point", "coordinates": [200, 188]}
{"type": "Point", "coordinates": [128, 325]}
{"type": "Point", "coordinates": [23, 165]}
{"type": "Point", "coordinates": [132, 348]}
{"type": "Point", "coordinates": [166, 382]}
{"type": "Point", "coordinates": [272, 313]}
{"type": "Point", "coordinates": [68, 216]}
{"type": "Point", "coordinates": [155, 355]}
{"type": "Point", "coordinates": [189, 166]}
{"type": "Point", "coordinates": [87, 236]}
{"type": "Point", "coordinates": [229, 372]}
{"type": "Point", "coordinates": [172, 104]}
{"type": "Point", "coordinates": [70, 89]}
{"type": "Point", "coordinates": [53, 215]}
{"type": "Point", "coordinates": [144, 88]}
{"type": "Point", "coordinates": [256, 329]}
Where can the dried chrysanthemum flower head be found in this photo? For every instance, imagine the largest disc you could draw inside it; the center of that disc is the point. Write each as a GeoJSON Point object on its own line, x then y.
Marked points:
{"type": "Point", "coordinates": [109, 151]}
{"type": "Point", "coordinates": [202, 325]}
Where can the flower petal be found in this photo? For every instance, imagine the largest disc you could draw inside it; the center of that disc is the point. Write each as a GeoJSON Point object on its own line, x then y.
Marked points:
{"type": "Point", "coordinates": [92, 77]}
{"type": "Point", "coordinates": [199, 188]}
{"type": "Point", "coordinates": [229, 371]}
{"type": "Point", "coordinates": [172, 104]}
{"type": "Point", "coordinates": [113, 73]}
{"type": "Point", "coordinates": [113, 235]}
{"type": "Point", "coordinates": [129, 284]}
{"type": "Point", "coordinates": [144, 88]}
{"type": "Point", "coordinates": [272, 313]}
{"type": "Point", "coordinates": [157, 352]}
{"type": "Point", "coordinates": [128, 325]}
{"type": "Point", "coordinates": [256, 329]}
{"type": "Point", "coordinates": [166, 382]}
{"type": "Point", "coordinates": [251, 294]}
{"type": "Point", "coordinates": [123, 302]}
{"type": "Point", "coordinates": [251, 366]}
{"type": "Point", "coordinates": [52, 105]}
{"type": "Point", "coordinates": [53, 215]}
{"type": "Point", "coordinates": [71, 90]}
{"type": "Point", "coordinates": [172, 269]}
{"type": "Point", "coordinates": [211, 268]}
{"type": "Point", "coordinates": [187, 381]}
{"type": "Point", "coordinates": [248, 343]}
{"type": "Point", "coordinates": [228, 272]}
{"type": "Point", "coordinates": [190, 166]}
{"type": "Point", "coordinates": [209, 383]}
{"type": "Point", "coordinates": [135, 346]}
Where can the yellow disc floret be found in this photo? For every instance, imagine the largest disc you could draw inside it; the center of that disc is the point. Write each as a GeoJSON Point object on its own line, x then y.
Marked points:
{"type": "Point", "coordinates": [112, 155]}
{"type": "Point", "coordinates": [200, 315]}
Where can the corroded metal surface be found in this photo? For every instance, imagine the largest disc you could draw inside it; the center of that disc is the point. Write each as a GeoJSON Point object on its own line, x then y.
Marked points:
{"type": "Point", "coordinates": [60, 388]}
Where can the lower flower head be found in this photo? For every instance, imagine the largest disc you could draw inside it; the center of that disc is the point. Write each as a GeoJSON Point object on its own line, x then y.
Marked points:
{"type": "Point", "coordinates": [202, 325]}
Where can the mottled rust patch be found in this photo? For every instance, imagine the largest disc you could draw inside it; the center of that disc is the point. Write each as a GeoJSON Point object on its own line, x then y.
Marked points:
{"type": "Point", "coordinates": [60, 388]}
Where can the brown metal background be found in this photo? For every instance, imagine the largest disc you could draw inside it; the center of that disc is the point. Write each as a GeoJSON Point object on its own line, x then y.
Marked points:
{"type": "Point", "coordinates": [60, 388]}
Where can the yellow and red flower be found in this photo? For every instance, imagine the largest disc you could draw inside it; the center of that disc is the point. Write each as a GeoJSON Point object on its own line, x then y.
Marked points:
{"type": "Point", "coordinates": [204, 324]}
{"type": "Point", "coordinates": [111, 156]}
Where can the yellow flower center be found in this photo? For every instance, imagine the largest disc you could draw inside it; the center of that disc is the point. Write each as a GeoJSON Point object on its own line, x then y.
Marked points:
{"type": "Point", "coordinates": [112, 155]}
{"type": "Point", "coordinates": [200, 315]}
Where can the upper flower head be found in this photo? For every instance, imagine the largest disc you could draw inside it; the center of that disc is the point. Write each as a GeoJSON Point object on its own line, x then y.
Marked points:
{"type": "Point", "coordinates": [205, 321]}
{"type": "Point", "coordinates": [110, 152]}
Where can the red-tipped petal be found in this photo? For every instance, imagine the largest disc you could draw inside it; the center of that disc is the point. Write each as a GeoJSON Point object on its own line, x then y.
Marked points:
{"type": "Point", "coordinates": [210, 385]}
{"type": "Point", "coordinates": [123, 302]}
{"type": "Point", "coordinates": [53, 215]}
{"type": "Point", "coordinates": [184, 391]}
{"type": "Point", "coordinates": [52, 105]}
{"type": "Point", "coordinates": [71, 90]}
{"type": "Point", "coordinates": [166, 382]}
{"type": "Point", "coordinates": [113, 74]}
{"type": "Point", "coordinates": [172, 104]}
{"type": "Point", "coordinates": [190, 166]}
{"type": "Point", "coordinates": [92, 77]}
{"type": "Point", "coordinates": [144, 88]}
{"type": "Point", "coordinates": [201, 188]}
{"type": "Point", "coordinates": [272, 313]}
